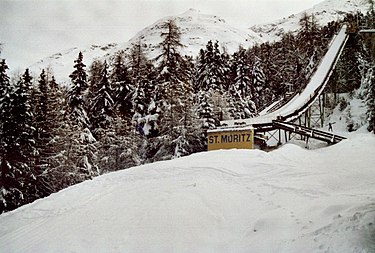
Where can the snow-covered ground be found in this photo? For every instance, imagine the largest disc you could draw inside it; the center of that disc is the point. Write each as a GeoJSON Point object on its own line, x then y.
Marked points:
{"type": "Point", "coordinates": [288, 200]}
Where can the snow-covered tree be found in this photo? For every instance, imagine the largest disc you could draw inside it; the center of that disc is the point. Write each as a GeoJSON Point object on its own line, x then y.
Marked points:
{"type": "Point", "coordinates": [259, 83]}
{"type": "Point", "coordinates": [205, 110]}
{"type": "Point", "coordinates": [367, 90]}
{"type": "Point", "coordinates": [120, 147]}
{"type": "Point", "coordinates": [143, 75]}
{"type": "Point", "coordinates": [82, 143]}
{"type": "Point", "coordinates": [4, 78]}
{"type": "Point", "coordinates": [211, 72]}
{"type": "Point", "coordinates": [137, 61]}
{"type": "Point", "coordinates": [40, 104]}
{"type": "Point", "coordinates": [77, 91]}
{"type": "Point", "coordinates": [170, 109]}
{"type": "Point", "coordinates": [4, 88]}
{"type": "Point", "coordinates": [173, 76]}
{"type": "Point", "coordinates": [121, 83]}
{"type": "Point", "coordinates": [102, 103]}
{"type": "Point", "coordinates": [211, 81]}
{"type": "Point", "coordinates": [173, 86]}
{"type": "Point", "coordinates": [240, 90]}
{"type": "Point", "coordinates": [18, 180]}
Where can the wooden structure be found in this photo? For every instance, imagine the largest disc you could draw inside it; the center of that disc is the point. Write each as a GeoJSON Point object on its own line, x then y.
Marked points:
{"type": "Point", "coordinates": [299, 113]}
{"type": "Point", "coordinates": [368, 36]}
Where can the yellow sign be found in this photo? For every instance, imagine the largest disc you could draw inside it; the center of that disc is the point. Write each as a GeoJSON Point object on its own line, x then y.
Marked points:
{"type": "Point", "coordinates": [230, 138]}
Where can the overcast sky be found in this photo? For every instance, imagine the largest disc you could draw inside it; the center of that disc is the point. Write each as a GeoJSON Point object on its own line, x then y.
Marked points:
{"type": "Point", "coordinates": [33, 29]}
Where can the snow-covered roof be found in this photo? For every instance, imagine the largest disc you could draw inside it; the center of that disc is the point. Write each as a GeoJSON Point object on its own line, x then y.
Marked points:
{"type": "Point", "coordinates": [230, 129]}
{"type": "Point", "coordinates": [367, 31]}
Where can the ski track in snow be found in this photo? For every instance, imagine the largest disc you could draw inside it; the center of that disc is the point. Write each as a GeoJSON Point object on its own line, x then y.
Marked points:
{"type": "Point", "coordinates": [288, 200]}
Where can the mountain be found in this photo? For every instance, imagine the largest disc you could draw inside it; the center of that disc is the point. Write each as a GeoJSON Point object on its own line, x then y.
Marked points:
{"type": "Point", "coordinates": [61, 64]}
{"type": "Point", "coordinates": [196, 30]}
{"type": "Point", "coordinates": [325, 12]}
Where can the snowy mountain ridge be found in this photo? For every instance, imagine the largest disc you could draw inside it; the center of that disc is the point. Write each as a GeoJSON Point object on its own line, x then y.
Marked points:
{"type": "Point", "coordinates": [196, 30]}
{"type": "Point", "coordinates": [324, 12]}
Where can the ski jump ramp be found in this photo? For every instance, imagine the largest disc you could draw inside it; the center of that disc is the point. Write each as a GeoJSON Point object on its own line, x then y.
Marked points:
{"type": "Point", "coordinates": [302, 101]}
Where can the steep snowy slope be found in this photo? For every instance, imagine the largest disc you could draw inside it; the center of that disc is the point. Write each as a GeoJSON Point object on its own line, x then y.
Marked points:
{"type": "Point", "coordinates": [196, 30]}
{"type": "Point", "coordinates": [328, 10]}
{"type": "Point", "coordinates": [61, 64]}
{"type": "Point", "coordinates": [289, 200]}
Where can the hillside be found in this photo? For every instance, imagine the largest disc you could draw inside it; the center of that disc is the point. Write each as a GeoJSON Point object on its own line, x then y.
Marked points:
{"type": "Point", "coordinates": [196, 30]}
{"type": "Point", "coordinates": [325, 12]}
{"type": "Point", "coordinates": [289, 200]}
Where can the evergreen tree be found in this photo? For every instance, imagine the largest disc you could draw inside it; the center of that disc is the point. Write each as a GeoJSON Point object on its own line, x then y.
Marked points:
{"type": "Point", "coordinates": [259, 82]}
{"type": "Point", "coordinates": [292, 63]}
{"type": "Point", "coordinates": [120, 147]}
{"type": "Point", "coordinates": [82, 143]}
{"type": "Point", "coordinates": [240, 93]}
{"type": "Point", "coordinates": [199, 71]}
{"type": "Point", "coordinates": [308, 33]}
{"type": "Point", "coordinates": [206, 110]}
{"type": "Point", "coordinates": [4, 79]}
{"type": "Point", "coordinates": [50, 124]}
{"type": "Point", "coordinates": [172, 101]}
{"type": "Point", "coordinates": [174, 87]}
{"type": "Point", "coordinates": [94, 77]}
{"type": "Point", "coordinates": [212, 70]}
{"type": "Point", "coordinates": [370, 100]}
{"type": "Point", "coordinates": [144, 103]}
{"type": "Point", "coordinates": [122, 85]}
{"type": "Point", "coordinates": [102, 103]}
{"type": "Point", "coordinates": [77, 91]}
{"type": "Point", "coordinates": [143, 75]}
{"type": "Point", "coordinates": [18, 180]}
{"type": "Point", "coordinates": [4, 116]}
{"type": "Point", "coordinates": [41, 105]}
{"type": "Point", "coordinates": [4, 89]}
{"type": "Point", "coordinates": [67, 148]}
{"type": "Point", "coordinates": [137, 62]}
{"type": "Point", "coordinates": [367, 72]}
{"type": "Point", "coordinates": [211, 81]}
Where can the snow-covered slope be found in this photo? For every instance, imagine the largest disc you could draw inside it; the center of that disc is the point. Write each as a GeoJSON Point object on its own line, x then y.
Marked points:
{"type": "Point", "coordinates": [196, 30]}
{"type": "Point", "coordinates": [289, 200]}
{"type": "Point", "coordinates": [61, 64]}
{"type": "Point", "coordinates": [326, 11]}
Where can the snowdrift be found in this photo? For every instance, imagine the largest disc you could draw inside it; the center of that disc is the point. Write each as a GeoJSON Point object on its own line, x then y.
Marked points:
{"type": "Point", "coordinates": [288, 200]}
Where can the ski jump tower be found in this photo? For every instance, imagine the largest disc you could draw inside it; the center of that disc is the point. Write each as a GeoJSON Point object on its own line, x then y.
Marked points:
{"type": "Point", "coordinates": [302, 111]}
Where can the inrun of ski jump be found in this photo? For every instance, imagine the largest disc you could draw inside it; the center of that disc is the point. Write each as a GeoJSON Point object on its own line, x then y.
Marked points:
{"type": "Point", "coordinates": [285, 113]}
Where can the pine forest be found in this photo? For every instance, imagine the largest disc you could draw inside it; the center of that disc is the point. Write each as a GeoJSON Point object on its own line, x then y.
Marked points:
{"type": "Point", "coordinates": [129, 110]}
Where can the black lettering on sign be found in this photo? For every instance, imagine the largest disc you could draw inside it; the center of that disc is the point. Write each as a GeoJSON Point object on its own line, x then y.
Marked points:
{"type": "Point", "coordinates": [230, 138]}
{"type": "Point", "coordinates": [248, 137]}
{"type": "Point", "coordinates": [217, 139]}
{"type": "Point", "coordinates": [224, 139]}
{"type": "Point", "coordinates": [243, 137]}
{"type": "Point", "coordinates": [211, 139]}
{"type": "Point", "coordinates": [236, 138]}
